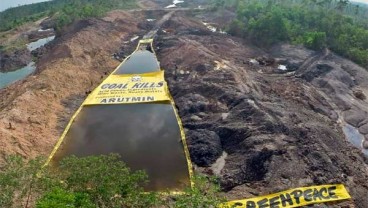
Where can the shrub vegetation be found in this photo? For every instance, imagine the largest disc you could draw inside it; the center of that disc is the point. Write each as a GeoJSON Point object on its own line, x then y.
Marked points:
{"type": "Point", "coordinates": [91, 182]}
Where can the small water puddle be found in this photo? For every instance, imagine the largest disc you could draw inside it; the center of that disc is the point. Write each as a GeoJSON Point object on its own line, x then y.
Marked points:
{"type": "Point", "coordinates": [354, 137]}
{"type": "Point", "coordinates": [282, 67]}
{"type": "Point", "coordinates": [39, 43]}
{"type": "Point", "coordinates": [174, 4]}
{"type": "Point", "coordinates": [8, 78]}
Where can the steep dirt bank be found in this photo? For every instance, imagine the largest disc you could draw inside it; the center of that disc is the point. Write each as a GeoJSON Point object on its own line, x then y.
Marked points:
{"type": "Point", "coordinates": [39, 106]}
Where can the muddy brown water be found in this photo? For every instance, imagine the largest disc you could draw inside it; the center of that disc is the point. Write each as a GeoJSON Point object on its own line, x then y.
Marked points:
{"type": "Point", "coordinates": [146, 135]}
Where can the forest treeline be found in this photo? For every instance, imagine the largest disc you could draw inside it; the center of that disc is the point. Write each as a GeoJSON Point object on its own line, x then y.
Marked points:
{"type": "Point", "coordinates": [63, 11]}
{"type": "Point", "coordinates": [340, 25]}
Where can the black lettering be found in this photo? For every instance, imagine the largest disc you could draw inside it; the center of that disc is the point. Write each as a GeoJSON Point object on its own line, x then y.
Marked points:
{"type": "Point", "coordinates": [127, 99]}
{"type": "Point", "coordinates": [136, 99]}
{"type": "Point", "coordinates": [308, 195]}
{"type": "Point", "coordinates": [286, 199]}
{"type": "Point", "coordinates": [297, 194]}
{"type": "Point", "coordinates": [105, 86]}
{"type": "Point", "coordinates": [136, 85]}
{"type": "Point", "coordinates": [331, 192]}
{"type": "Point", "coordinates": [120, 100]}
{"type": "Point", "coordinates": [317, 195]}
{"type": "Point", "coordinates": [145, 85]}
{"type": "Point", "coordinates": [263, 203]}
{"type": "Point", "coordinates": [238, 204]}
{"type": "Point", "coordinates": [103, 101]}
{"type": "Point", "coordinates": [250, 204]}
{"type": "Point", "coordinates": [112, 86]}
{"type": "Point", "coordinates": [121, 86]}
{"type": "Point", "coordinates": [274, 202]}
{"type": "Point", "coordinates": [153, 85]}
{"type": "Point", "coordinates": [160, 84]}
{"type": "Point", "coordinates": [324, 190]}
{"type": "Point", "coordinates": [150, 98]}
{"type": "Point", "coordinates": [112, 100]}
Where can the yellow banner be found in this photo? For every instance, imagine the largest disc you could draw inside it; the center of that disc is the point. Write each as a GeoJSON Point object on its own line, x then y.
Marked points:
{"type": "Point", "coordinates": [122, 89]}
{"type": "Point", "coordinates": [294, 198]}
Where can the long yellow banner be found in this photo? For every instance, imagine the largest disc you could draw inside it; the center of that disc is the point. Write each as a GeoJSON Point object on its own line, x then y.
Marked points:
{"type": "Point", "coordinates": [294, 198]}
{"type": "Point", "coordinates": [122, 89]}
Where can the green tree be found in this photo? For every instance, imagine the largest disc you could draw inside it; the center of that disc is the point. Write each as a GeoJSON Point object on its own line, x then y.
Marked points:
{"type": "Point", "coordinates": [60, 198]}
{"type": "Point", "coordinates": [315, 40]}
{"type": "Point", "coordinates": [268, 29]}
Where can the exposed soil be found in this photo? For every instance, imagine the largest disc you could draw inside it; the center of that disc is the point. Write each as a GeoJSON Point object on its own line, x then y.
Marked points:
{"type": "Point", "coordinates": [39, 106]}
{"type": "Point", "coordinates": [280, 130]}
{"type": "Point", "coordinates": [13, 60]}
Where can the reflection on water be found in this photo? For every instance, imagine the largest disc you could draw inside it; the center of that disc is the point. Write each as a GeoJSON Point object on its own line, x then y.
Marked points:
{"type": "Point", "coordinates": [141, 61]}
{"type": "Point", "coordinates": [146, 135]}
{"type": "Point", "coordinates": [354, 137]}
{"type": "Point", "coordinates": [39, 43]}
{"type": "Point", "coordinates": [9, 77]}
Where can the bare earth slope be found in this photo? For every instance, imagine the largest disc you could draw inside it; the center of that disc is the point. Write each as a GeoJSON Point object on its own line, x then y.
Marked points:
{"type": "Point", "coordinates": [279, 131]}
{"type": "Point", "coordinates": [274, 131]}
{"type": "Point", "coordinates": [39, 106]}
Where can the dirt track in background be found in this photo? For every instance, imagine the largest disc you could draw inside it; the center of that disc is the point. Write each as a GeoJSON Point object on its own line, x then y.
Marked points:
{"type": "Point", "coordinates": [274, 130]}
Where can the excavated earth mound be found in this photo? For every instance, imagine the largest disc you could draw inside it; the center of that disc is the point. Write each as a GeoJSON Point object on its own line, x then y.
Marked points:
{"type": "Point", "coordinates": [277, 130]}
{"type": "Point", "coordinates": [39, 107]}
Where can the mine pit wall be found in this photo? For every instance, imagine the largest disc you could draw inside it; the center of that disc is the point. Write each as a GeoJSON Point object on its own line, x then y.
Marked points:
{"type": "Point", "coordinates": [279, 132]}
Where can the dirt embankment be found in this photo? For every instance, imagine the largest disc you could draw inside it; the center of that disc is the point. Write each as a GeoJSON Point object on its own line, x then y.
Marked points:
{"type": "Point", "coordinates": [259, 130]}
{"type": "Point", "coordinates": [38, 107]}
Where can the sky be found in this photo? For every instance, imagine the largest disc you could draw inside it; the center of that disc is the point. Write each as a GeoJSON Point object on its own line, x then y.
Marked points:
{"type": "Point", "coordinates": [362, 1]}
{"type": "Point", "coordinates": [4, 4]}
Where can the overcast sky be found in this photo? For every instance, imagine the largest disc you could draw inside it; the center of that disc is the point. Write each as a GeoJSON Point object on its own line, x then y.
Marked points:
{"type": "Point", "coordinates": [363, 1]}
{"type": "Point", "coordinates": [4, 4]}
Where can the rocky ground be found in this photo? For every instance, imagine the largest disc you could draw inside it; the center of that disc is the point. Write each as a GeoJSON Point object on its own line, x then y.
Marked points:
{"type": "Point", "coordinates": [261, 130]}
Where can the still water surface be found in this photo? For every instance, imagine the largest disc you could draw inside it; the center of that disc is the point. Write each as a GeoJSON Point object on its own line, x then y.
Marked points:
{"type": "Point", "coordinates": [146, 135]}
{"type": "Point", "coordinates": [354, 137]}
{"type": "Point", "coordinates": [10, 77]}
